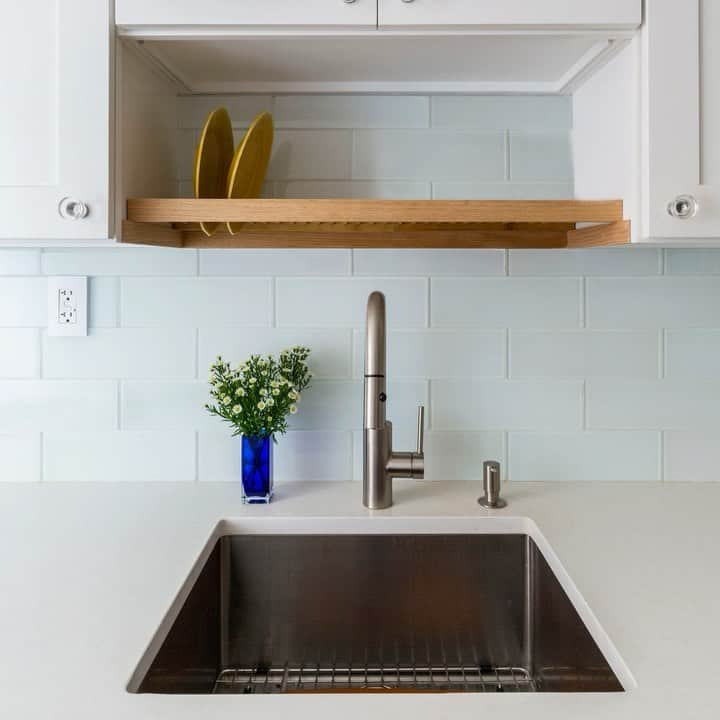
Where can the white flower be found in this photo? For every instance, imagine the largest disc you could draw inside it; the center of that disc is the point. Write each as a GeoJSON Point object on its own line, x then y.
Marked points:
{"type": "Point", "coordinates": [263, 391]}
{"type": "Point", "coordinates": [297, 399]}
{"type": "Point", "coordinates": [275, 392]}
{"type": "Point", "coordinates": [293, 409]}
{"type": "Point", "coordinates": [252, 381]}
{"type": "Point", "coordinates": [270, 402]}
{"type": "Point", "coordinates": [237, 409]}
{"type": "Point", "coordinates": [226, 400]}
{"type": "Point", "coordinates": [261, 405]}
{"type": "Point", "coordinates": [274, 384]}
{"type": "Point", "coordinates": [240, 392]}
{"type": "Point", "coordinates": [292, 395]}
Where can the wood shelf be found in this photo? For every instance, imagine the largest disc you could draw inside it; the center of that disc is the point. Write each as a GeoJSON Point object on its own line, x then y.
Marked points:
{"type": "Point", "coordinates": [277, 223]}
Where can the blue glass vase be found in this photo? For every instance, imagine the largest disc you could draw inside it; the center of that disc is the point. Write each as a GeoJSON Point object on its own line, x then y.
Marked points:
{"type": "Point", "coordinates": [256, 460]}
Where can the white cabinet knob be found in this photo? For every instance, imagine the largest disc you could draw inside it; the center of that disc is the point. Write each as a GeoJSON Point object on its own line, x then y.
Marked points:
{"type": "Point", "coordinates": [72, 209]}
{"type": "Point", "coordinates": [683, 207]}
{"type": "Point", "coordinates": [408, 1]}
{"type": "Point", "coordinates": [349, 2]}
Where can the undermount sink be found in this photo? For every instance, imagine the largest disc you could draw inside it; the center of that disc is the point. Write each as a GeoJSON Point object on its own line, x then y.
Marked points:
{"type": "Point", "coordinates": [276, 606]}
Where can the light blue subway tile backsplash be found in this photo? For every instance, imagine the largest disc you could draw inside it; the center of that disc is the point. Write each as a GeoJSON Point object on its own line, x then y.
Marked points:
{"type": "Point", "coordinates": [352, 111]}
{"type": "Point", "coordinates": [485, 112]}
{"type": "Point", "coordinates": [540, 157]}
{"type": "Point", "coordinates": [567, 365]}
{"type": "Point", "coordinates": [428, 155]}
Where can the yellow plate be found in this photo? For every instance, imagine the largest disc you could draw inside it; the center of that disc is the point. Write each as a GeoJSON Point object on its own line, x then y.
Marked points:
{"type": "Point", "coordinates": [250, 164]}
{"type": "Point", "coordinates": [213, 156]}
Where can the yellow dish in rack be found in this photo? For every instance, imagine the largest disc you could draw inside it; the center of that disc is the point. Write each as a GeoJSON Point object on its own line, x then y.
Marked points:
{"type": "Point", "coordinates": [250, 164]}
{"type": "Point", "coordinates": [213, 157]}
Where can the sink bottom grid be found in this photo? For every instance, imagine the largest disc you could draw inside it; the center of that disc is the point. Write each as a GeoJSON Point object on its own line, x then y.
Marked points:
{"type": "Point", "coordinates": [375, 678]}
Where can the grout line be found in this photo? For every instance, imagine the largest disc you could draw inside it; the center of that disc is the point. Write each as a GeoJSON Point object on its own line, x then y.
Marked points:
{"type": "Point", "coordinates": [583, 303]}
{"type": "Point", "coordinates": [506, 263]}
{"type": "Point", "coordinates": [662, 261]}
{"type": "Point", "coordinates": [351, 268]}
{"type": "Point", "coordinates": [430, 111]}
{"type": "Point", "coordinates": [583, 407]}
{"type": "Point", "coordinates": [40, 348]}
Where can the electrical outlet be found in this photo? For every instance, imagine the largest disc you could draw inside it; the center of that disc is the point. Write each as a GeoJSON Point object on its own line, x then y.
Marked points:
{"type": "Point", "coordinates": [67, 306]}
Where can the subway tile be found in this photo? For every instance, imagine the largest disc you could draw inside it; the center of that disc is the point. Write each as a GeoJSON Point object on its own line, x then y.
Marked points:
{"type": "Point", "coordinates": [589, 261]}
{"type": "Point", "coordinates": [19, 353]}
{"type": "Point", "coordinates": [428, 262]}
{"type": "Point", "coordinates": [311, 154]}
{"type": "Point", "coordinates": [329, 301]}
{"type": "Point", "coordinates": [362, 189]}
{"type": "Point", "coordinates": [583, 354]}
{"type": "Point", "coordinates": [460, 455]}
{"type": "Point", "coordinates": [20, 458]}
{"type": "Point", "coordinates": [692, 353]}
{"type": "Point", "coordinates": [102, 302]}
{"type": "Point", "coordinates": [19, 262]}
{"type": "Point", "coordinates": [584, 457]}
{"type": "Point", "coordinates": [274, 262]}
{"type": "Point", "coordinates": [122, 353]}
{"type": "Point", "coordinates": [509, 405]}
{"type": "Point", "coordinates": [298, 456]}
{"type": "Point", "coordinates": [505, 302]}
{"type": "Point", "coordinates": [119, 456]}
{"type": "Point", "coordinates": [452, 190]}
{"type": "Point", "coordinates": [352, 111]}
{"type": "Point", "coordinates": [692, 456]}
{"type": "Point", "coordinates": [194, 109]}
{"type": "Point", "coordinates": [23, 302]}
{"type": "Point", "coordinates": [37, 405]}
{"type": "Point", "coordinates": [162, 405]}
{"type": "Point", "coordinates": [438, 353]}
{"type": "Point", "coordinates": [652, 405]}
{"type": "Point", "coordinates": [337, 405]}
{"type": "Point", "coordinates": [330, 355]}
{"type": "Point", "coordinates": [689, 261]}
{"type": "Point", "coordinates": [120, 261]}
{"type": "Point", "coordinates": [191, 302]}
{"type": "Point", "coordinates": [503, 112]}
{"type": "Point", "coordinates": [538, 157]}
{"type": "Point", "coordinates": [617, 303]}
{"type": "Point", "coordinates": [428, 155]}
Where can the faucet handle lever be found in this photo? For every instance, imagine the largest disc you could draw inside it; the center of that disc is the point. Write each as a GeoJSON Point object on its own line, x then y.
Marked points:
{"type": "Point", "coordinates": [421, 430]}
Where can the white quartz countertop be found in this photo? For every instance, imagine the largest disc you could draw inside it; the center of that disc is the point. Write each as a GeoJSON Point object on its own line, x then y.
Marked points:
{"type": "Point", "coordinates": [88, 570]}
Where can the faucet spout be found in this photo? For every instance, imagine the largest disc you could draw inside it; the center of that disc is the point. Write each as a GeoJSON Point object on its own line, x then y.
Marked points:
{"type": "Point", "coordinates": [375, 358]}
{"type": "Point", "coordinates": [380, 463]}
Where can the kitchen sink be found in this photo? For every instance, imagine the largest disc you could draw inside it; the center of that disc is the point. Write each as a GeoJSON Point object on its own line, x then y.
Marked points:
{"type": "Point", "coordinates": [327, 607]}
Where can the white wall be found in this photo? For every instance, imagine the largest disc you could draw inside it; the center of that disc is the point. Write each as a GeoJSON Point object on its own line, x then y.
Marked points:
{"type": "Point", "coordinates": [564, 365]}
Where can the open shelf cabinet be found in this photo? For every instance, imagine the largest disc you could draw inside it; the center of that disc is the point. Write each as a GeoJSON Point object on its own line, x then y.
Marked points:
{"type": "Point", "coordinates": [279, 223]}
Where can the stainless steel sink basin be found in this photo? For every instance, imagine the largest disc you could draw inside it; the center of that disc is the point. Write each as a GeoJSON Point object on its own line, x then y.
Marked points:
{"type": "Point", "coordinates": [295, 612]}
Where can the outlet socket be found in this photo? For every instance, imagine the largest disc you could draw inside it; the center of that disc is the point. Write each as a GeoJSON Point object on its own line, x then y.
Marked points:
{"type": "Point", "coordinates": [67, 306]}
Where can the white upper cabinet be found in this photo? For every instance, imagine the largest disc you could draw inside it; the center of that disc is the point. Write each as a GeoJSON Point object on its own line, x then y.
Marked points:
{"type": "Point", "coordinates": [55, 123]}
{"type": "Point", "coordinates": [532, 13]}
{"type": "Point", "coordinates": [270, 13]}
{"type": "Point", "coordinates": [681, 167]}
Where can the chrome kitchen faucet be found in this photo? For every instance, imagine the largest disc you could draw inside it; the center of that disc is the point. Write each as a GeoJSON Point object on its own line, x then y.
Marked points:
{"type": "Point", "coordinates": [380, 463]}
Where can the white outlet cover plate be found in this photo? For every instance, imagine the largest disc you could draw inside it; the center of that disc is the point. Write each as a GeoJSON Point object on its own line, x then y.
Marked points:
{"type": "Point", "coordinates": [67, 306]}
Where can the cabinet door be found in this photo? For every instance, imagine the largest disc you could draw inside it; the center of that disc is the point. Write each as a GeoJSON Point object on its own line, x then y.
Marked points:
{"type": "Point", "coordinates": [682, 85]}
{"type": "Point", "coordinates": [538, 13]}
{"type": "Point", "coordinates": [248, 13]}
{"type": "Point", "coordinates": [55, 121]}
